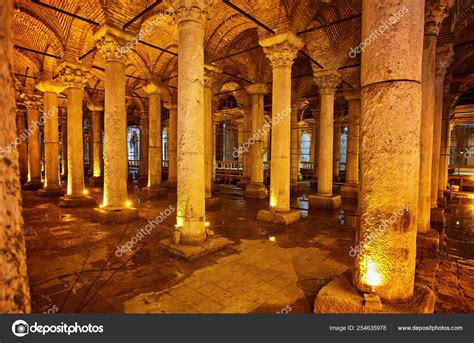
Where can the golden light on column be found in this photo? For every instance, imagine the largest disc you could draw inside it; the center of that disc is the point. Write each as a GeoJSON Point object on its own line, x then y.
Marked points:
{"type": "Point", "coordinates": [371, 276]}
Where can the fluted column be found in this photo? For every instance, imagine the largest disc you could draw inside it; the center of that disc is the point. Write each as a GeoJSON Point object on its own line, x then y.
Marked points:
{"type": "Point", "coordinates": [155, 93]}
{"type": "Point", "coordinates": [52, 184]}
{"type": "Point", "coordinates": [74, 78]}
{"type": "Point", "coordinates": [327, 82]}
{"type": "Point", "coordinates": [434, 16]}
{"type": "Point", "coordinates": [97, 164]}
{"type": "Point", "coordinates": [32, 103]}
{"type": "Point", "coordinates": [116, 205]}
{"type": "Point", "coordinates": [444, 57]}
{"type": "Point", "coordinates": [172, 146]}
{"type": "Point", "coordinates": [256, 188]}
{"type": "Point", "coordinates": [281, 50]}
{"type": "Point", "coordinates": [352, 160]}
{"type": "Point", "coordinates": [144, 141]}
{"type": "Point", "coordinates": [211, 73]}
{"type": "Point", "coordinates": [389, 151]}
{"type": "Point", "coordinates": [23, 146]}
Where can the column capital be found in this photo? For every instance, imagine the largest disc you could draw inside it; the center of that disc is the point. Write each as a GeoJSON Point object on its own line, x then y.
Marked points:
{"type": "Point", "coordinates": [50, 86]}
{"type": "Point", "coordinates": [153, 87]}
{"type": "Point", "coordinates": [282, 49]}
{"type": "Point", "coordinates": [32, 101]}
{"type": "Point", "coordinates": [327, 80]}
{"type": "Point", "coordinates": [95, 107]}
{"type": "Point", "coordinates": [171, 106]}
{"type": "Point", "coordinates": [257, 88]}
{"type": "Point", "coordinates": [444, 57]}
{"type": "Point", "coordinates": [352, 95]}
{"type": "Point", "coordinates": [211, 73]}
{"type": "Point", "coordinates": [434, 16]}
{"type": "Point", "coordinates": [191, 10]}
{"type": "Point", "coordinates": [114, 43]}
{"type": "Point", "coordinates": [299, 105]}
{"type": "Point", "coordinates": [73, 75]}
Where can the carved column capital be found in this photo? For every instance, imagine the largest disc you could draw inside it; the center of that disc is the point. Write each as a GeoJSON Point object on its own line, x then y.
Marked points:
{"type": "Point", "coordinates": [257, 88]}
{"type": "Point", "coordinates": [114, 43]}
{"type": "Point", "coordinates": [282, 49]}
{"type": "Point", "coordinates": [434, 16]}
{"type": "Point", "coordinates": [153, 87]}
{"type": "Point", "coordinates": [73, 75]}
{"type": "Point", "coordinates": [32, 101]}
{"type": "Point", "coordinates": [327, 80]}
{"type": "Point", "coordinates": [444, 57]}
{"type": "Point", "coordinates": [50, 86]}
{"type": "Point", "coordinates": [211, 74]}
{"type": "Point", "coordinates": [191, 10]}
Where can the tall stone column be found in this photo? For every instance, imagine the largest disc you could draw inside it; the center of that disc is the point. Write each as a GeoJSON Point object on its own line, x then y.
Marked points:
{"type": "Point", "coordinates": [256, 188]}
{"type": "Point", "coordinates": [52, 184]}
{"type": "Point", "coordinates": [97, 164]}
{"type": "Point", "coordinates": [444, 57]}
{"type": "Point", "coordinates": [337, 147]}
{"type": "Point", "coordinates": [144, 141]}
{"type": "Point", "coordinates": [155, 151]}
{"type": "Point", "coordinates": [23, 146]}
{"type": "Point", "coordinates": [315, 140]}
{"type": "Point", "coordinates": [246, 129]}
{"type": "Point", "coordinates": [390, 151]}
{"type": "Point", "coordinates": [211, 73]}
{"type": "Point", "coordinates": [116, 206]}
{"type": "Point", "coordinates": [295, 147]}
{"type": "Point", "coordinates": [171, 183]}
{"type": "Point", "coordinates": [445, 143]}
{"type": "Point", "coordinates": [434, 16]}
{"type": "Point", "coordinates": [63, 121]}
{"type": "Point", "coordinates": [32, 103]}
{"type": "Point", "coordinates": [281, 50]}
{"type": "Point", "coordinates": [327, 82]}
{"type": "Point", "coordinates": [15, 293]}
{"type": "Point", "coordinates": [74, 78]}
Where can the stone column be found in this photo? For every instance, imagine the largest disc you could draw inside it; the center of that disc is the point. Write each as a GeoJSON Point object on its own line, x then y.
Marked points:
{"type": "Point", "coordinates": [144, 141]}
{"type": "Point", "coordinates": [445, 144]}
{"type": "Point", "coordinates": [74, 78]}
{"type": "Point", "coordinates": [434, 16]}
{"type": "Point", "coordinates": [281, 50]}
{"type": "Point", "coordinates": [211, 73]}
{"type": "Point", "coordinates": [390, 151]}
{"type": "Point", "coordinates": [444, 57]}
{"type": "Point", "coordinates": [171, 183]}
{"type": "Point", "coordinates": [64, 147]}
{"type": "Point", "coordinates": [97, 178]}
{"type": "Point", "coordinates": [32, 103]}
{"type": "Point", "coordinates": [15, 293]}
{"type": "Point", "coordinates": [337, 147]}
{"type": "Point", "coordinates": [155, 151]}
{"type": "Point", "coordinates": [295, 147]}
{"type": "Point", "coordinates": [327, 82]}
{"type": "Point", "coordinates": [246, 155]}
{"type": "Point", "coordinates": [23, 146]}
{"type": "Point", "coordinates": [52, 184]}
{"type": "Point", "coordinates": [116, 206]}
{"type": "Point", "coordinates": [256, 188]}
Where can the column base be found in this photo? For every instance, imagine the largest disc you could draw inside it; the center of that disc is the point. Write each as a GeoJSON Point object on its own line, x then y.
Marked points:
{"type": "Point", "coordinates": [349, 191]}
{"type": "Point", "coordinates": [155, 193]}
{"type": "Point", "coordinates": [339, 296]}
{"type": "Point", "coordinates": [105, 216]}
{"type": "Point", "coordinates": [256, 190]}
{"type": "Point", "coordinates": [191, 252]}
{"type": "Point", "coordinates": [53, 192]}
{"type": "Point", "coordinates": [284, 218]}
{"type": "Point", "coordinates": [438, 217]}
{"type": "Point", "coordinates": [96, 181]}
{"type": "Point", "coordinates": [243, 183]}
{"type": "Point", "coordinates": [427, 244]}
{"type": "Point", "coordinates": [212, 203]}
{"type": "Point", "coordinates": [171, 185]}
{"type": "Point", "coordinates": [32, 186]}
{"type": "Point", "coordinates": [78, 201]}
{"type": "Point", "coordinates": [328, 202]}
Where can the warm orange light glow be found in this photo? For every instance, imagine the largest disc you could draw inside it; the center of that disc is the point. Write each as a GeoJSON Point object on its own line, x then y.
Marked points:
{"type": "Point", "coordinates": [273, 202]}
{"type": "Point", "coordinates": [128, 203]}
{"type": "Point", "coordinates": [372, 276]}
{"type": "Point", "coordinates": [207, 224]}
{"type": "Point", "coordinates": [179, 222]}
{"type": "Point", "coordinates": [85, 191]}
{"type": "Point", "coordinates": [272, 238]}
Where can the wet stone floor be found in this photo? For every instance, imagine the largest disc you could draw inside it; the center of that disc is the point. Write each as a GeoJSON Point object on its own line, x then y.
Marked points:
{"type": "Point", "coordinates": [73, 264]}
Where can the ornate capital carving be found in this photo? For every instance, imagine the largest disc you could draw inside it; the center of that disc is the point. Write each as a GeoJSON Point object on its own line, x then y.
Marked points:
{"type": "Point", "coordinates": [114, 43]}
{"type": "Point", "coordinates": [282, 49]}
{"type": "Point", "coordinates": [191, 10]}
{"type": "Point", "coordinates": [32, 101]}
{"type": "Point", "coordinates": [50, 86]}
{"type": "Point", "coordinates": [434, 16]}
{"type": "Point", "coordinates": [153, 87]}
{"type": "Point", "coordinates": [73, 75]}
{"type": "Point", "coordinates": [211, 74]}
{"type": "Point", "coordinates": [257, 88]}
{"type": "Point", "coordinates": [327, 80]}
{"type": "Point", "coordinates": [444, 57]}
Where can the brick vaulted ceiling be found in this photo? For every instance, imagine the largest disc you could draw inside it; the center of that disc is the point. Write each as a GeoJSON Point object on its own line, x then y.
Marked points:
{"type": "Point", "coordinates": [43, 29]}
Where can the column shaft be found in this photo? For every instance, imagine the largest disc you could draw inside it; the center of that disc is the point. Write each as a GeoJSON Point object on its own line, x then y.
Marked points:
{"type": "Point", "coordinates": [51, 141]}
{"type": "Point", "coordinates": [325, 146]}
{"type": "Point", "coordinates": [34, 154]}
{"type": "Point", "coordinates": [96, 143]}
{"type": "Point", "coordinates": [144, 142]}
{"type": "Point", "coordinates": [172, 145]}
{"type": "Point", "coordinates": [295, 149]}
{"type": "Point", "coordinates": [23, 147]}
{"type": "Point", "coordinates": [352, 160]}
{"type": "Point", "coordinates": [208, 138]}
{"type": "Point", "coordinates": [154, 148]}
